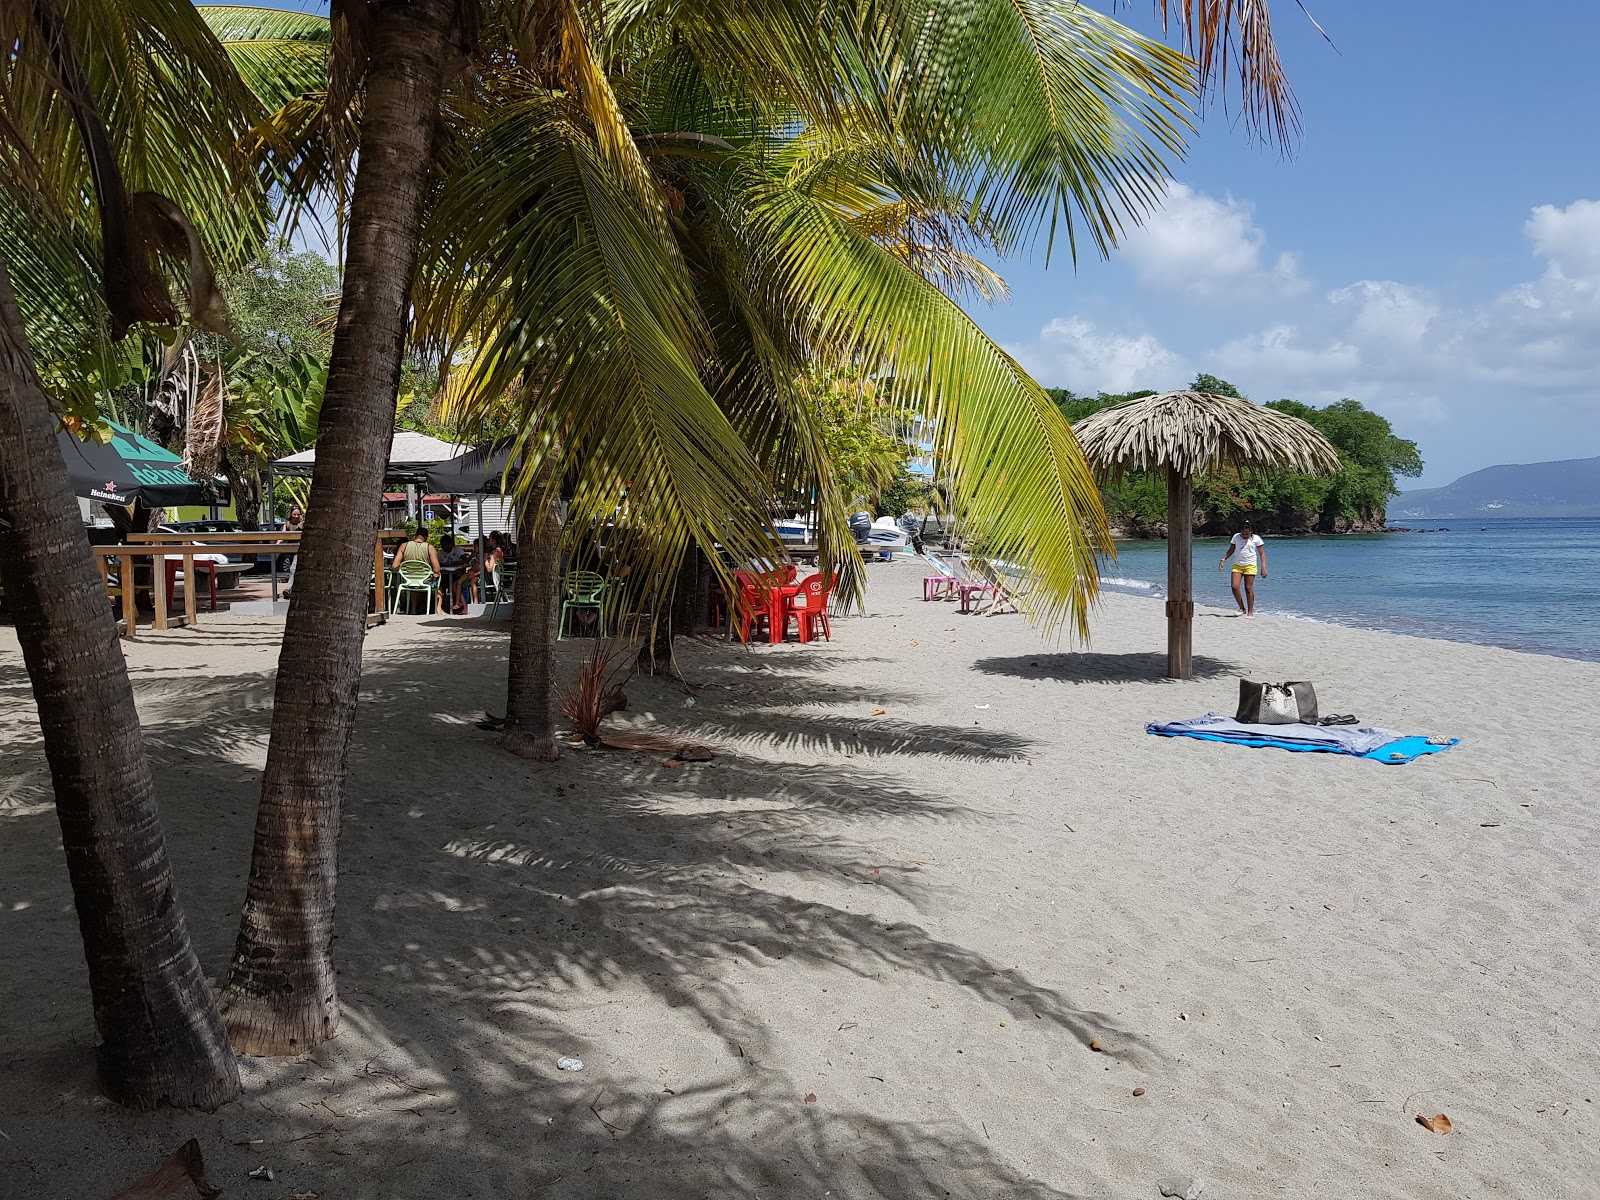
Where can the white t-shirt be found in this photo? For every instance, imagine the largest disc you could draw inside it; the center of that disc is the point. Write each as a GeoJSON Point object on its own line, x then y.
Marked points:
{"type": "Point", "coordinates": [1244, 550]}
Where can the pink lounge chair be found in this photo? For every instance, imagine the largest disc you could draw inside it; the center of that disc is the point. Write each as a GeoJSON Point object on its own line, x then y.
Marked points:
{"type": "Point", "coordinates": [941, 586]}
{"type": "Point", "coordinates": [957, 580]}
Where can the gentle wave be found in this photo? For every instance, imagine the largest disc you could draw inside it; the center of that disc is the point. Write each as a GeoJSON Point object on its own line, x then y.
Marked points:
{"type": "Point", "coordinates": [1137, 585]}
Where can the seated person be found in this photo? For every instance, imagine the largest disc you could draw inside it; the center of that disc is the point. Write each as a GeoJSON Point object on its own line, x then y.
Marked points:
{"type": "Point", "coordinates": [416, 550]}
{"type": "Point", "coordinates": [453, 564]}
{"type": "Point", "coordinates": [494, 557]}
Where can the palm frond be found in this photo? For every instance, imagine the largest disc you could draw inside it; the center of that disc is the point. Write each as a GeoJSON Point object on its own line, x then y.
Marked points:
{"type": "Point", "coordinates": [120, 175]}
{"type": "Point", "coordinates": [1235, 37]}
{"type": "Point", "coordinates": [298, 139]}
{"type": "Point", "coordinates": [583, 316]}
{"type": "Point", "coordinates": [1019, 476]}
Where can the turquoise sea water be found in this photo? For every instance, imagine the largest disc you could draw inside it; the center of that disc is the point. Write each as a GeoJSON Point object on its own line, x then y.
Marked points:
{"type": "Point", "coordinates": [1527, 584]}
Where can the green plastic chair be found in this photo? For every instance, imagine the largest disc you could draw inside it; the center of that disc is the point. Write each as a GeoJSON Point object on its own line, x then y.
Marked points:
{"type": "Point", "coordinates": [584, 590]}
{"type": "Point", "coordinates": [504, 587]}
{"type": "Point", "coordinates": [415, 576]}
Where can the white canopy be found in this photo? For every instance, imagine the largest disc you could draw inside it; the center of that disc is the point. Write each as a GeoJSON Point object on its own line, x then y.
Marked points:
{"type": "Point", "coordinates": [410, 456]}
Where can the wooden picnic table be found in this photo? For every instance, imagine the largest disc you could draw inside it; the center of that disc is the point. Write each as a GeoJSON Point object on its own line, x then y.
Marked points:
{"type": "Point", "coordinates": [158, 548]}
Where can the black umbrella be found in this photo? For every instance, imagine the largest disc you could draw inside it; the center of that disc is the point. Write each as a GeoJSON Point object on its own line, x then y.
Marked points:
{"type": "Point", "coordinates": [130, 469]}
{"type": "Point", "coordinates": [478, 472]}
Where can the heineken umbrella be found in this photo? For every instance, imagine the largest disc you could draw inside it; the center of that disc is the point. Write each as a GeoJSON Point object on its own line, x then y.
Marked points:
{"type": "Point", "coordinates": [130, 469]}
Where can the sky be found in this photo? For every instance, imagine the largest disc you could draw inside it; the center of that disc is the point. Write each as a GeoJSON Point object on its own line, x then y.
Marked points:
{"type": "Point", "coordinates": [1431, 248]}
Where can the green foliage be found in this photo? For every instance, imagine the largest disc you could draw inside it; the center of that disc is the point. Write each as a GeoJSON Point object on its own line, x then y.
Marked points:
{"type": "Point", "coordinates": [282, 304]}
{"type": "Point", "coordinates": [1371, 453]}
{"type": "Point", "coordinates": [854, 420]}
{"type": "Point", "coordinates": [905, 493]}
{"type": "Point", "coordinates": [1204, 382]}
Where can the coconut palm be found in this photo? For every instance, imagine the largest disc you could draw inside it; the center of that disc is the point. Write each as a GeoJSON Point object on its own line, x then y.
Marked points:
{"type": "Point", "coordinates": [118, 122]}
{"type": "Point", "coordinates": [1187, 434]}
{"type": "Point", "coordinates": [1056, 119]}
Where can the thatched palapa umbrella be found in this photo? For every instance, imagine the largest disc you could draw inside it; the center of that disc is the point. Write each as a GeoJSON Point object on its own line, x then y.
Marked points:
{"type": "Point", "coordinates": [1187, 434]}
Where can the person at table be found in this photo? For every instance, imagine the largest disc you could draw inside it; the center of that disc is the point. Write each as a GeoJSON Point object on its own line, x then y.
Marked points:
{"type": "Point", "coordinates": [494, 557]}
{"type": "Point", "coordinates": [494, 554]}
{"type": "Point", "coordinates": [295, 524]}
{"type": "Point", "coordinates": [417, 550]}
{"type": "Point", "coordinates": [452, 564]}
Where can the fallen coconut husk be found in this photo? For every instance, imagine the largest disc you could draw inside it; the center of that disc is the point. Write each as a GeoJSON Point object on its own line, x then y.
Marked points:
{"type": "Point", "coordinates": [185, 1164]}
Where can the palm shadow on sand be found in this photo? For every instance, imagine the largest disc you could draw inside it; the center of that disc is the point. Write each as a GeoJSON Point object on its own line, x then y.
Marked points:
{"type": "Point", "coordinates": [481, 897]}
{"type": "Point", "coordinates": [1094, 667]}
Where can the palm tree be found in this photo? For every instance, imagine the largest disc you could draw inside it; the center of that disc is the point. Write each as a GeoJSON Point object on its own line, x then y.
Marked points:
{"type": "Point", "coordinates": [102, 105]}
{"type": "Point", "coordinates": [1057, 118]}
{"type": "Point", "coordinates": [281, 996]}
{"type": "Point", "coordinates": [883, 212]}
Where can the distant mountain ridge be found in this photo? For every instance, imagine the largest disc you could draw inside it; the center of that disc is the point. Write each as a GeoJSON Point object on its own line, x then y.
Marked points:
{"type": "Point", "coordinates": [1569, 488]}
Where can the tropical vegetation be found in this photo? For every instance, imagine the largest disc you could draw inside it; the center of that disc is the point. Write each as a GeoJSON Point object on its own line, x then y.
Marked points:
{"type": "Point", "coordinates": [1355, 498]}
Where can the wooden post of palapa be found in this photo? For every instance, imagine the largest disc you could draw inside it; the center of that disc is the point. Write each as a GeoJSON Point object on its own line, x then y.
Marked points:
{"type": "Point", "coordinates": [380, 602]}
{"type": "Point", "coordinates": [1180, 575]}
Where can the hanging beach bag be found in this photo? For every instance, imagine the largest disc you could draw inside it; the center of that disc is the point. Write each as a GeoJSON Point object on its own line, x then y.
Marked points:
{"type": "Point", "coordinates": [1288, 703]}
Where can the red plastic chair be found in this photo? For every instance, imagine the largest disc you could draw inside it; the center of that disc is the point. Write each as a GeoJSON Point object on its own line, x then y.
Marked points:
{"type": "Point", "coordinates": [205, 571]}
{"type": "Point", "coordinates": [749, 605]}
{"type": "Point", "coordinates": [809, 608]}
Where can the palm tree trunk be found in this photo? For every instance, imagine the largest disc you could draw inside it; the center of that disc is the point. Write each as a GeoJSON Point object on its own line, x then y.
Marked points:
{"type": "Point", "coordinates": [161, 1038]}
{"type": "Point", "coordinates": [531, 706]}
{"type": "Point", "coordinates": [281, 996]}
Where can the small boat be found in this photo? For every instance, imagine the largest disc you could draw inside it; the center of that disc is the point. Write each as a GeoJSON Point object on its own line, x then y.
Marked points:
{"type": "Point", "coordinates": [796, 529]}
{"type": "Point", "coordinates": [882, 538]}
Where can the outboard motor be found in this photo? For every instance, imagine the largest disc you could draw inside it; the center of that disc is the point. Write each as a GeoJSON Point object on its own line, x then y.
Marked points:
{"type": "Point", "coordinates": [861, 526]}
{"type": "Point", "coordinates": [911, 526]}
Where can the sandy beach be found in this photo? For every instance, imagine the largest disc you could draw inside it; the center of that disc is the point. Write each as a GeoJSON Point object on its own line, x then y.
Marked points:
{"type": "Point", "coordinates": [867, 956]}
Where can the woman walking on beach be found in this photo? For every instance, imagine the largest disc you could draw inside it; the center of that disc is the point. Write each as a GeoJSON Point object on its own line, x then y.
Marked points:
{"type": "Point", "coordinates": [1250, 550]}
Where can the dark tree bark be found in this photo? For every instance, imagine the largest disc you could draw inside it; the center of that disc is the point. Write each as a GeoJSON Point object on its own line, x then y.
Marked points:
{"type": "Point", "coordinates": [281, 996]}
{"type": "Point", "coordinates": [161, 1038]}
{"type": "Point", "coordinates": [531, 705]}
{"type": "Point", "coordinates": [691, 598]}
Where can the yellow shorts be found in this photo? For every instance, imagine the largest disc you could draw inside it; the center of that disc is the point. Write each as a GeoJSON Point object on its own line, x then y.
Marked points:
{"type": "Point", "coordinates": [1244, 568]}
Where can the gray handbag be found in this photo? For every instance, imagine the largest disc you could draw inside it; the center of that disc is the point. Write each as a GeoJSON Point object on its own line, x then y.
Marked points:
{"type": "Point", "coordinates": [1286, 703]}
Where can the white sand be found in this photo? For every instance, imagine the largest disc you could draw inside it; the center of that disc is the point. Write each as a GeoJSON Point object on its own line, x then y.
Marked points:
{"type": "Point", "coordinates": [920, 918]}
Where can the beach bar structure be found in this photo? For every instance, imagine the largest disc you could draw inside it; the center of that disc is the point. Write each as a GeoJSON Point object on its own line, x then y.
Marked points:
{"type": "Point", "coordinates": [416, 461]}
{"type": "Point", "coordinates": [1186, 434]}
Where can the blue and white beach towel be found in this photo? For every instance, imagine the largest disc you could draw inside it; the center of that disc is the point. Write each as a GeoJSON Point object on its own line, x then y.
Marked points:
{"type": "Point", "coordinates": [1380, 745]}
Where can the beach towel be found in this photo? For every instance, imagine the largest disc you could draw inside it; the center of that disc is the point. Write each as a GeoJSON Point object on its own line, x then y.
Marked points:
{"type": "Point", "coordinates": [1380, 745]}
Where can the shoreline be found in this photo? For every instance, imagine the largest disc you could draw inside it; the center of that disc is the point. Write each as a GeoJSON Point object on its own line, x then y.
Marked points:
{"type": "Point", "coordinates": [1466, 583]}
{"type": "Point", "coordinates": [1138, 589]}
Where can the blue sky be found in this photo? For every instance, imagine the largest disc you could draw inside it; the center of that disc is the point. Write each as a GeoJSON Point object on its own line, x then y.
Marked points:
{"type": "Point", "coordinates": [1432, 248]}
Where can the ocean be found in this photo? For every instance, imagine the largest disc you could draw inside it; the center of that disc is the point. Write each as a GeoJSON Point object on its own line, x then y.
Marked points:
{"type": "Point", "coordinates": [1523, 583]}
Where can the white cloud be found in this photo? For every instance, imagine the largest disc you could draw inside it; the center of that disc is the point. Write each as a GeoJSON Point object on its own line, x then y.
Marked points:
{"type": "Point", "coordinates": [1197, 246]}
{"type": "Point", "coordinates": [1509, 377]}
{"type": "Point", "coordinates": [1072, 352]}
{"type": "Point", "coordinates": [1569, 237]}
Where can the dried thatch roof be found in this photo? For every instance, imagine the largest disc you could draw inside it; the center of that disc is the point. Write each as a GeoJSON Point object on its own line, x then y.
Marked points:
{"type": "Point", "coordinates": [1196, 432]}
